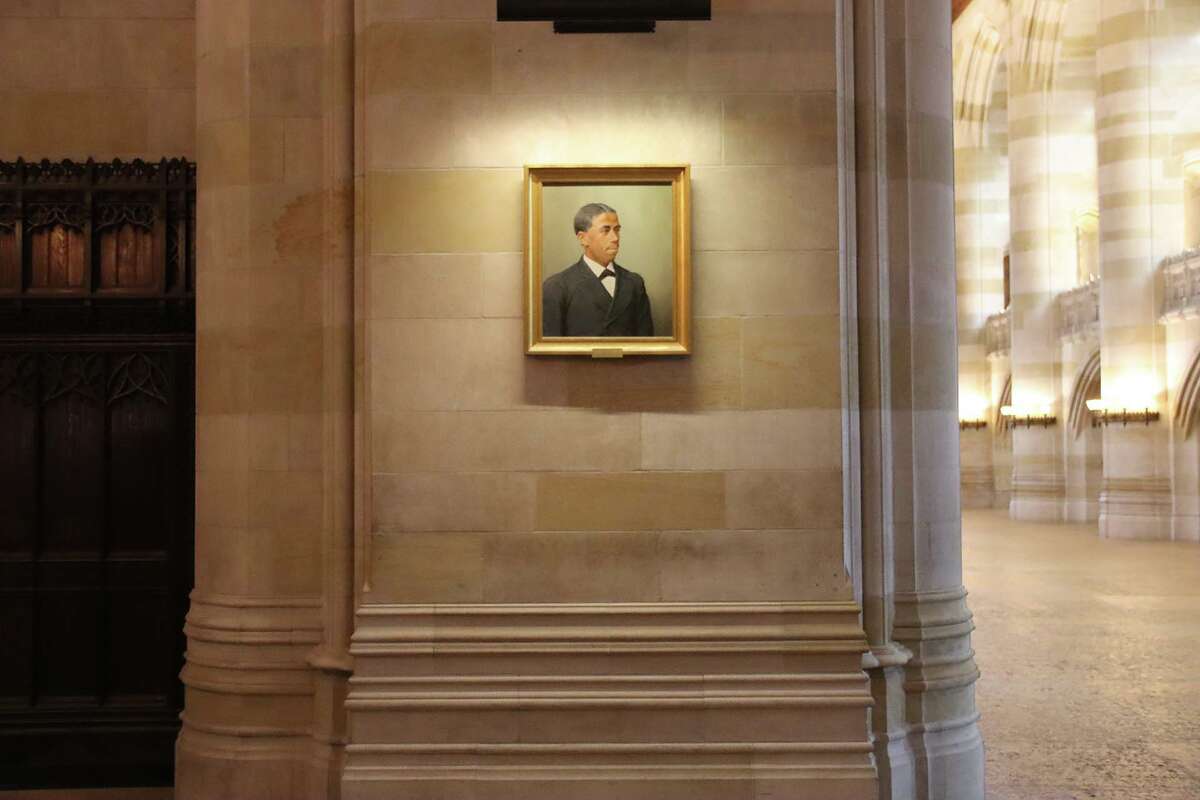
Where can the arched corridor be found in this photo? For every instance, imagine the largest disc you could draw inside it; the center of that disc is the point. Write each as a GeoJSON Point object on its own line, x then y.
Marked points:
{"type": "Point", "coordinates": [1087, 649]}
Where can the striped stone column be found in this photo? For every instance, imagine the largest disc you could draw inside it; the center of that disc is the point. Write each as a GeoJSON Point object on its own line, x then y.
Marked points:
{"type": "Point", "coordinates": [981, 234]}
{"type": "Point", "coordinates": [1041, 254]}
{"type": "Point", "coordinates": [1136, 222]}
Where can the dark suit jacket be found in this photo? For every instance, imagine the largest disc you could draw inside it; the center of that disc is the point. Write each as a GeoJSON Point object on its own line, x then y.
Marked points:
{"type": "Point", "coordinates": [575, 303]}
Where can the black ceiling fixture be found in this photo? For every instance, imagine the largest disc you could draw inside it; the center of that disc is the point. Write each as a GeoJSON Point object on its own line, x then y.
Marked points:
{"type": "Point", "coordinates": [602, 16]}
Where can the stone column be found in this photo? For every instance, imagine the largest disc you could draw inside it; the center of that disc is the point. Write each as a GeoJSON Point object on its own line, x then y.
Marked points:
{"type": "Point", "coordinates": [981, 233]}
{"type": "Point", "coordinates": [1135, 499]}
{"type": "Point", "coordinates": [921, 664]}
{"type": "Point", "coordinates": [269, 622]}
{"type": "Point", "coordinates": [981, 236]}
{"type": "Point", "coordinates": [1040, 240]}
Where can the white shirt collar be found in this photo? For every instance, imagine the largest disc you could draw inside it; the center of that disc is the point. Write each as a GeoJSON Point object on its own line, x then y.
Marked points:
{"type": "Point", "coordinates": [595, 267]}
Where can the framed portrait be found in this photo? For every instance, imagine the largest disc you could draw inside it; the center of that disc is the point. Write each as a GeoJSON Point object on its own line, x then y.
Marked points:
{"type": "Point", "coordinates": [607, 261]}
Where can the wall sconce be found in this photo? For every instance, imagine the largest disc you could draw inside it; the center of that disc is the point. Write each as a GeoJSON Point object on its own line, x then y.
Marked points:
{"type": "Point", "coordinates": [1106, 413]}
{"type": "Point", "coordinates": [1028, 418]}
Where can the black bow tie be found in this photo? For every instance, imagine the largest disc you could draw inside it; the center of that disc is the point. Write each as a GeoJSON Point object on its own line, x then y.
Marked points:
{"type": "Point", "coordinates": [608, 273]}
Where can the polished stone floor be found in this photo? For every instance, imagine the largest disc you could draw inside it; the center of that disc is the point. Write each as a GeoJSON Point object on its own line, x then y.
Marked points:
{"type": "Point", "coordinates": [1090, 657]}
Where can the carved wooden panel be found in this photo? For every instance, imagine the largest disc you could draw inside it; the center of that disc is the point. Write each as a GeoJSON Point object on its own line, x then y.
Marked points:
{"type": "Point", "coordinates": [99, 229]}
{"type": "Point", "coordinates": [127, 245]}
{"type": "Point", "coordinates": [10, 255]}
{"type": "Point", "coordinates": [57, 255]}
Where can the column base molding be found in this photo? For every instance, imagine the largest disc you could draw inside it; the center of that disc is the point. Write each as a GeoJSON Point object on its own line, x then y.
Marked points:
{"type": "Point", "coordinates": [977, 487]}
{"type": "Point", "coordinates": [248, 725]}
{"type": "Point", "coordinates": [893, 752]}
{"type": "Point", "coordinates": [226, 766]}
{"type": "Point", "coordinates": [1135, 508]}
{"type": "Point", "coordinates": [1037, 498]}
{"type": "Point", "coordinates": [939, 687]}
{"type": "Point", "coordinates": [1083, 510]}
{"type": "Point", "coordinates": [640, 700]}
{"type": "Point", "coordinates": [1185, 527]}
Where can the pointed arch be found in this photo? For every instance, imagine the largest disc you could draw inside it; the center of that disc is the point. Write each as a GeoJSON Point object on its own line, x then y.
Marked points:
{"type": "Point", "coordinates": [1002, 423]}
{"type": "Point", "coordinates": [1037, 27]}
{"type": "Point", "coordinates": [1187, 404]}
{"type": "Point", "coordinates": [973, 84]}
{"type": "Point", "coordinates": [1087, 387]}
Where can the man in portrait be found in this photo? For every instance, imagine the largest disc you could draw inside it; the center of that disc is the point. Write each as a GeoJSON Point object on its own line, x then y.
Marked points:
{"type": "Point", "coordinates": [596, 296]}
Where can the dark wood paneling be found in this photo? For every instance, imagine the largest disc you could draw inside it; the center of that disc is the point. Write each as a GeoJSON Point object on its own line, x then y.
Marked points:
{"type": "Point", "coordinates": [97, 405]}
{"type": "Point", "coordinates": [18, 452]}
{"type": "Point", "coordinates": [140, 400]}
{"type": "Point", "coordinates": [127, 258]}
{"type": "Point", "coordinates": [56, 256]}
{"type": "Point", "coordinates": [10, 261]}
{"type": "Point", "coordinates": [73, 462]}
{"type": "Point", "coordinates": [96, 558]}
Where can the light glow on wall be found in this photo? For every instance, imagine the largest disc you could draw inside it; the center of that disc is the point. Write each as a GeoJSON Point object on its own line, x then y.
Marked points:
{"type": "Point", "coordinates": [1127, 398]}
{"type": "Point", "coordinates": [972, 407]}
{"type": "Point", "coordinates": [1131, 389]}
{"type": "Point", "coordinates": [972, 411]}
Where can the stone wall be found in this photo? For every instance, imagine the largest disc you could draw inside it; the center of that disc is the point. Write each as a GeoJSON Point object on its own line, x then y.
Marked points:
{"type": "Point", "coordinates": [560, 502]}
{"type": "Point", "coordinates": [99, 78]}
{"type": "Point", "coordinates": [672, 471]}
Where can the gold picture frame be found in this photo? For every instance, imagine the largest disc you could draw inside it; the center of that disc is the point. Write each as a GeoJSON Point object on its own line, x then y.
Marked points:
{"type": "Point", "coordinates": [656, 226]}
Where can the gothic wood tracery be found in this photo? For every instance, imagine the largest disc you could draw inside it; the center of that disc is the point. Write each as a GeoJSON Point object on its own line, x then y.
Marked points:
{"type": "Point", "coordinates": [112, 229]}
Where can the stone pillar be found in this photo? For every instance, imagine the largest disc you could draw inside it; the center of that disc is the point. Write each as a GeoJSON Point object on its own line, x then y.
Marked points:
{"type": "Point", "coordinates": [981, 236]}
{"type": "Point", "coordinates": [921, 664]}
{"type": "Point", "coordinates": [980, 260]}
{"type": "Point", "coordinates": [981, 233]}
{"type": "Point", "coordinates": [1039, 241]}
{"type": "Point", "coordinates": [269, 622]}
{"type": "Point", "coordinates": [1135, 499]}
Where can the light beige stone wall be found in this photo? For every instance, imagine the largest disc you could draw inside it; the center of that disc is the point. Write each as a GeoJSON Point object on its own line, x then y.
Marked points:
{"type": "Point", "coordinates": [671, 469]}
{"type": "Point", "coordinates": [100, 78]}
{"type": "Point", "coordinates": [564, 502]}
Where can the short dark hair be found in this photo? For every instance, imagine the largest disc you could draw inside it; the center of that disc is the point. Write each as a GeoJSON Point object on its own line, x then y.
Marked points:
{"type": "Point", "coordinates": [585, 215]}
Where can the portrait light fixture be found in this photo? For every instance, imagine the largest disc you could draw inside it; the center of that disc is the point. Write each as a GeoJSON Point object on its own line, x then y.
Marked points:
{"type": "Point", "coordinates": [1105, 412]}
{"type": "Point", "coordinates": [1028, 417]}
{"type": "Point", "coordinates": [602, 16]}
